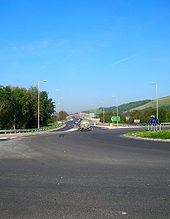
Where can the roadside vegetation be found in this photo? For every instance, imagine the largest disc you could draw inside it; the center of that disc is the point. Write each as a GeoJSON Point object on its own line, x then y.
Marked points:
{"type": "Point", "coordinates": [142, 115]}
{"type": "Point", "coordinates": [51, 128]}
{"type": "Point", "coordinates": [162, 134]}
{"type": "Point", "coordinates": [138, 110]}
{"type": "Point", "coordinates": [18, 108]}
{"type": "Point", "coordinates": [33, 131]}
{"type": "Point", "coordinates": [62, 115]}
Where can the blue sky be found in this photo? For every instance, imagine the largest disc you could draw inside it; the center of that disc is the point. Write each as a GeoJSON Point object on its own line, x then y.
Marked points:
{"type": "Point", "coordinates": [87, 50]}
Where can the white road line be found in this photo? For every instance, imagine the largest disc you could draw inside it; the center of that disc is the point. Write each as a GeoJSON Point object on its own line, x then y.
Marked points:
{"type": "Point", "coordinates": [70, 130]}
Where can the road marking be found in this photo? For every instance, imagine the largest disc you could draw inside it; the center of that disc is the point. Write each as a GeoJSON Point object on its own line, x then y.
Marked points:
{"type": "Point", "coordinates": [70, 130]}
{"type": "Point", "coordinates": [124, 213]}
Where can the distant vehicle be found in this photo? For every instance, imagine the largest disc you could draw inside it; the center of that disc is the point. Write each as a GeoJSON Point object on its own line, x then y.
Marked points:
{"type": "Point", "coordinates": [85, 125]}
{"type": "Point", "coordinates": [78, 121]}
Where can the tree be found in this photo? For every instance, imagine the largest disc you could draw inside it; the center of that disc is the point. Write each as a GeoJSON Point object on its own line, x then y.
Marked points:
{"type": "Point", "coordinates": [46, 108]}
{"type": "Point", "coordinates": [62, 115]}
{"type": "Point", "coordinates": [6, 110]}
{"type": "Point", "coordinates": [168, 117]}
{"type": "Point", "coordinates": [18, 118]}
{"type": "Point", "coordinates": [162, 115]}
{"type": "Point", "coordinates": [18, 107]}
{"type": "Point", "coordinates": [108, 115]}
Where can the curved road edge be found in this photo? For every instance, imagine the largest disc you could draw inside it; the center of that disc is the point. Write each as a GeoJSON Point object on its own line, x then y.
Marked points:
{"type": "Point", "coordinates": [148, 139]}
{"type": "Point", "coordinates": [13, 136]}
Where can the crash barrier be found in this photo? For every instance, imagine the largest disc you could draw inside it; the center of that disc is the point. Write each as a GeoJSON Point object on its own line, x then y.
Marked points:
{"type": "Point", "coordinates": [122, 124]}
{"type": "Point", "coordinates": [132, 124]}
{"type": "Point", "coordinates": [165, 123]}
{"type": "Point", "coordinates": [156, 124]}
{"type": "Point", "coordinates": [27, 130]}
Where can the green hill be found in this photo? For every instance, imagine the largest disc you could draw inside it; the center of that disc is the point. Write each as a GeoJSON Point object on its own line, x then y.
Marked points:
{"type": "Point", "coordinates": [163, 102]}
{"type": "Point", "coordinates": [127, 106]}
{"type": "Point", "coordinates": [122, 108]}
{"type": "Point", "coordinates": [136, 105]}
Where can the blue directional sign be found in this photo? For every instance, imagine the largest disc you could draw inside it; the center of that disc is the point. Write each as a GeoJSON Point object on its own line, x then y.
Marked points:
{"type": "Point", "coordinates": [153, 120]}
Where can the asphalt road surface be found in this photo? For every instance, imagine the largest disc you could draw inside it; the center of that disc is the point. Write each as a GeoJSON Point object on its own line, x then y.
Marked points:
{"type": "Point", "coordinates": [81, 175]}
{"type": "Point", "coordinates": [68, 125]}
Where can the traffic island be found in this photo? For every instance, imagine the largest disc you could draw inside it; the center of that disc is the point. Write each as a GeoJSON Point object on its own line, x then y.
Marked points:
{"type": "Point", "coordinates": [149, 134]}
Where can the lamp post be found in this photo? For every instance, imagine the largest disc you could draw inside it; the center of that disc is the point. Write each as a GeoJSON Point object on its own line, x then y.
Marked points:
{"type": "Point", "coordinates": [156, 86]}
{"type": "Point", "coordinates": [39, 103]}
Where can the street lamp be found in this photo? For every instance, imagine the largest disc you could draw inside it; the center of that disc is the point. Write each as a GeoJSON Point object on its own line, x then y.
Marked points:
{"type": "Point", "coordinates": [39, 102]}
{"type": "Point", "coordinates": [156, 86]}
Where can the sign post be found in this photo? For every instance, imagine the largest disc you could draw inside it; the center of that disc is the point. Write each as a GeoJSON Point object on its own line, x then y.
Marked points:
{"type": "Point", "coordinates": [115, 118]}
{"type": "Point", "coordinates": [154, 122]}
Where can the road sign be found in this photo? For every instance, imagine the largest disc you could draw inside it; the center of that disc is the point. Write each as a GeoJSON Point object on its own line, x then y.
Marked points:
{"type": "Point", "coordinates": [115, 118]}
{"type": "Point", "coordinates": [158, 122]}
{"type": "Point", "coordinates": [149, 122]}
{"type": "Point", "coordinates": [153, 120]}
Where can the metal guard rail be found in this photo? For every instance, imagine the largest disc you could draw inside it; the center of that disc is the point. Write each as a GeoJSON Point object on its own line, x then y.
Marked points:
{"type": "Point", "coordinates": [28, 130]}
{"type": "Point", "coordinates": [137, 124]}
{"type": "Point", "coordinates": [145, 124]}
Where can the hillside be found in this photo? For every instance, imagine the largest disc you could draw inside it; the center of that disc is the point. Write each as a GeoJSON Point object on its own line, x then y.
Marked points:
{"type": "Point", "coordinates": [164, 101]}
{"type": "Point", "coordinates": [122, 108]}
{"type": "Point", "coordinates": [127, 106]}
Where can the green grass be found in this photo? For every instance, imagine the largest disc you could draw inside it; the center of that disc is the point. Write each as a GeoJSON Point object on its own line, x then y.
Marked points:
{"type": "Point", "coordinates": [46, 129]}
{"type": "Point", "coordinates": [50, 128]}
{"type": "Point", "coordinates": [163, 134]}
{"type": "Point", "coordinates": [52, 123]}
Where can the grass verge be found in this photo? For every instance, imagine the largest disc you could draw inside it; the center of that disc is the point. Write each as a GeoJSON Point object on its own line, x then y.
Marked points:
{"type": "Point", "coordinates": [163, 134]}
{"type": "Point", "coordinates": [45, 129]}
{"type": "Point", "coordinates": [50, 128]}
